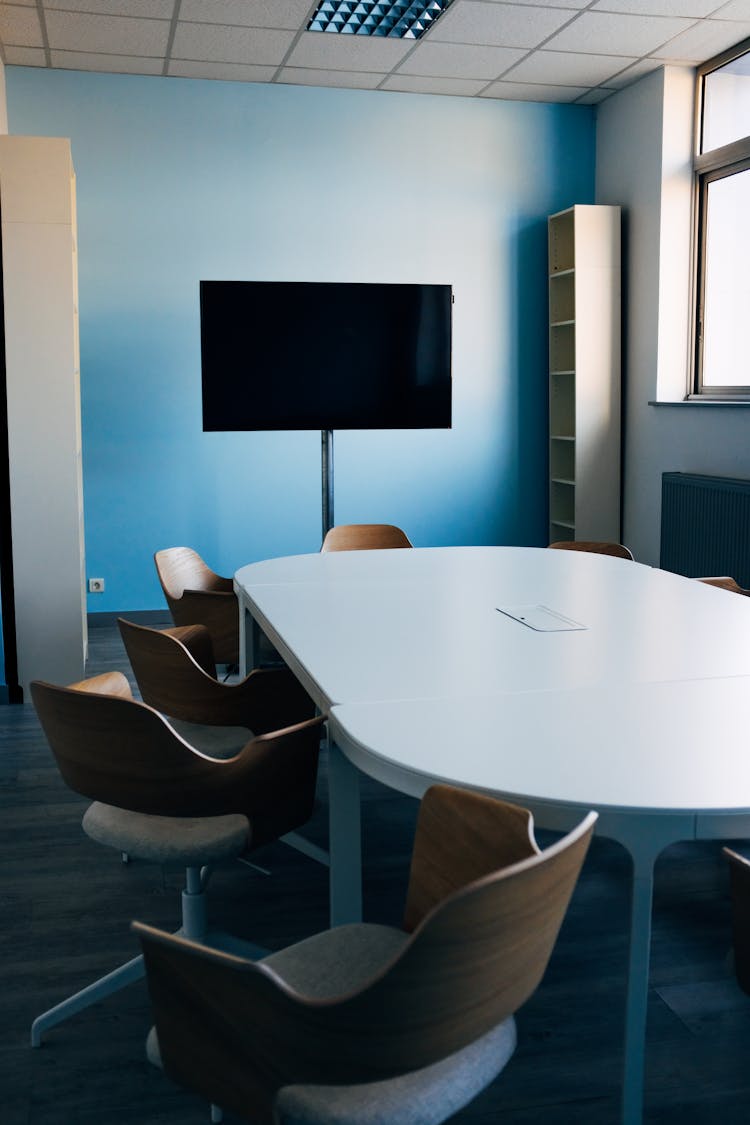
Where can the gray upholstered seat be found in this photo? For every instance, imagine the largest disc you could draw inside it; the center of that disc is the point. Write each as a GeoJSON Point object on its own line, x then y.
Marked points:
{"type": "Point", "coordinates": [189, 841]}
{"type": "Point", "coordinates": [217, 742]}
{"type": "Point", "coordinates": [421, 1097]}
{"type": "Point", "coordinates": [342, 960]}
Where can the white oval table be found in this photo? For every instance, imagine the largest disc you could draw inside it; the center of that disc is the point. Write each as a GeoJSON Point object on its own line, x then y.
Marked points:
{"type": "Point", "coordinates": [631, 695]}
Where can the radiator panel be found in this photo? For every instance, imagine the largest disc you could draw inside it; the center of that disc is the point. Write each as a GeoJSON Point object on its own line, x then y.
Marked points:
{"type": "Point", "coordinates": [705, 526]}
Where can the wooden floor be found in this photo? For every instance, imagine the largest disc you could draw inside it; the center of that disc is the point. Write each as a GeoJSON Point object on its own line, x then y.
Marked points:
{"type": "Point", "coordinates": [66, 905]}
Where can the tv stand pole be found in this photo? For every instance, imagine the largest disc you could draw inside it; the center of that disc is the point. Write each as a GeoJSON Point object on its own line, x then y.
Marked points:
{"type": "Point", "coordinates": [326, 467]}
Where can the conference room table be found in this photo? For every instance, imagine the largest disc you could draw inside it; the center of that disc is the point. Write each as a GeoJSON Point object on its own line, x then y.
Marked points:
{"type": "Point", "coordinates": [561, 680]}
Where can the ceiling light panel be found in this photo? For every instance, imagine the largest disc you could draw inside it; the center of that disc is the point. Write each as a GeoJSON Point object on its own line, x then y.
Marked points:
{"type": "Point", "coordinates": [394, 19]}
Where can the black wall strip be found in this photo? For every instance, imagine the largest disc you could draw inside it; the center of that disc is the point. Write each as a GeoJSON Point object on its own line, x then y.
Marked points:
{"type": "Point", "coordinates": [14, 692]}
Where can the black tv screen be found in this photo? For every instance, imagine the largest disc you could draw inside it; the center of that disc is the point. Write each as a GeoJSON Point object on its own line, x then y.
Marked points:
{"type": "Point", "coordinates": [298, 355]}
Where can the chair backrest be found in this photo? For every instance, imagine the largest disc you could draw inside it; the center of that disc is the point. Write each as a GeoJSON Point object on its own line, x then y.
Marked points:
{"type": "Point", "coordinates": [726, 584]}
{"type": "Point", "coordinates": [196, 595]}
{"type": "Point", "coordinates": [618, 550]}
{"type": "Point", "coordinates": [181, 568]}
{"type": "Point", "coordinates": [113, 749]}
{"type": "Point", "coordinates": [175, 673]}
{"type": "Point", "coordinates": [364, 537]}
{"type": "Point", "coordinates": [235, 1032]}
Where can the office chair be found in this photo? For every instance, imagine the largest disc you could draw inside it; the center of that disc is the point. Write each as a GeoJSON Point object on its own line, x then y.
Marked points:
{"type": "Point", "coordinates": [364, 537]}
{"type": "Point", "coordinates": [196, 595]}
{"type": "Point", "coordinates": [618, 550]}
{"type": "Point", "coordinates": [725, 584]}
{"type": "Point", "coordinates": [176, 675]}
{"type": "Point", "coordinates": [373, 1025]}
{"type": "Point", "coordinates": [157, 798]}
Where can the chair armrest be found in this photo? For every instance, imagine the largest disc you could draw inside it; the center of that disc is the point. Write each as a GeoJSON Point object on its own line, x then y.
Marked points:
{"type": "Point", "coordinates": [266, 700]}
{"type": "Point", "coordinates": [197, 640]}
{"type": "Point", "coordinates": [108, 683]}
{"type": "Point", "coordinates": [272, 781]}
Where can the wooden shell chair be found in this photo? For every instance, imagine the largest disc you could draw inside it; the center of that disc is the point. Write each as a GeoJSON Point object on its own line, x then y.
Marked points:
{"type": "Point", "coordinates": [157, 798]}
{"type": "Point", "coordinates": [176, 674]}
{"type": "Point", "coordinates": [364, 537]}
{"type": "Point", "coordinates": [726, 584]}
{"type": "Point", "coordinates": [196, 595]}
{"type": "Point", "coordinates": [618, 550]}
{"type": "Point", "coordinates": [374, 1023]}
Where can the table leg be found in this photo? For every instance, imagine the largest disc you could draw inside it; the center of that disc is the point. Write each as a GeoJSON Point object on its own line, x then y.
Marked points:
{"type": "Point", "coordinates": [637, 989]}
{"type": "Point", "coordinates": [345, 838]}
{"type": "Point", "coordinates": [249, 641]}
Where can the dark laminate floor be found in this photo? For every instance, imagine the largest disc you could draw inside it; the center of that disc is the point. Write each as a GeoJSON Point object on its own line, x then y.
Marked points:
{"type": "Point", "coordinates": [66, 904]}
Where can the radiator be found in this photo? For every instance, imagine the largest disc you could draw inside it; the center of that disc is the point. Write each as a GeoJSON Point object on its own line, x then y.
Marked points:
{"type": "Point", "coordinates": [705, 526]}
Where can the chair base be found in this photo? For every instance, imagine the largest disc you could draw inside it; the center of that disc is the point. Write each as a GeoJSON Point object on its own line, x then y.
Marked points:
{"type": "Point", "coordinates": [127, 974]}
{"type": "Point", "coordinates": [194, 918]}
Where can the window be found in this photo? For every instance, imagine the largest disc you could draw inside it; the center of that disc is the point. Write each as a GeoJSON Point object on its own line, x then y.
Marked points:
{"type": "Point", "coordinates": [722, 165]}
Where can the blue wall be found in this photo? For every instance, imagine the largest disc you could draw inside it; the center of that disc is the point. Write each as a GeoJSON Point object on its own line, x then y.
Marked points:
{"type": "Point", "coordinates": [180, 180]}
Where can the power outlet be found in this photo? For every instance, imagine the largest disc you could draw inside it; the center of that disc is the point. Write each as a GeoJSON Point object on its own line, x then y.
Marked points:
{"type": "Point", "coordinates": [96, 585]}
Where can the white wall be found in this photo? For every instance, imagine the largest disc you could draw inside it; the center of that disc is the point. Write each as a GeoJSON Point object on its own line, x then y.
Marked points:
{"type": "Point", "coordinates": [644, 138]}
{"type": "Point", "coordinates": [180, 180]}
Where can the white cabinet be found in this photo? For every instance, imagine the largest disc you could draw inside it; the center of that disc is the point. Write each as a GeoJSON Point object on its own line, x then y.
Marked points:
{"type": "Point", "coordinates": [584, 373]}
{"type": "Point", "coordinates": [40, 309]}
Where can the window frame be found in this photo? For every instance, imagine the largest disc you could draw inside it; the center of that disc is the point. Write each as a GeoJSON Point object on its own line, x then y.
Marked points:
{"type": "Point", "coordinates": [716, 164]}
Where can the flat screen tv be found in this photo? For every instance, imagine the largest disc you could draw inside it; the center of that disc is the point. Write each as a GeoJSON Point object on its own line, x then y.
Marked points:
{"type": "Point", "coordinates": [298, 355]}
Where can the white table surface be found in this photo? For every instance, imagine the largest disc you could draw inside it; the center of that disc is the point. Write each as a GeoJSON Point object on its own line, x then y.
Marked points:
{"type": "Point", "coordinates": [610, 747]}
{"type": "Point", "coordinates": [643, 715]}
{"type": "Point", "coordinates": [404, 624]}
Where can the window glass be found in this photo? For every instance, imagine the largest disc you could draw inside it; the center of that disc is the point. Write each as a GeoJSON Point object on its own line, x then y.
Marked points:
{"type": "Point", "coordinates": [727, 281]}
{"type": "Point", "coordinates": [722, 177]}
{"type": "Point", "coordinates": [726, 104]}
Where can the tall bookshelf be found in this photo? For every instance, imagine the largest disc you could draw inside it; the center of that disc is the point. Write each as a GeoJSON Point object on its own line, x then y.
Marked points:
{"type": "Point", "coordinates": [584, 373]}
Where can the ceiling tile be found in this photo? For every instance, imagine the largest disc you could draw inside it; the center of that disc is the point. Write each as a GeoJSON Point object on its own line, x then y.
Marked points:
{"type": "Point", "coordinates": [608, 33]}
{"type": "Point", "coordinates": [556, 50]}
{"type": "Point", "coordinates": [108, 64]}
{"type": "Point", "coordinates": [289, 14]}
{"type": "Point", "coordinates": [20, 26]}
{"type": "Point", "coordinates": [150, 9]}
{"type": "Point", "coordinates": [445, 60]}
{"type": "Point", "coordinates": [25, 56]}
{"type": "Point", "coordinates": [223, 72]}
{"type": "Point", "coordinates": [566, 69]}
{"type": "Point", "coordinates": [572, 5]}
{"type": "Point", "coordinates": [694, 9]}
{"type": "Point", "coordinates": [348, 52]}
{"type": "Point", "coordinates": [348, 79]}
{"type": "Point", "coordinates": [116, 35]}
{"type": "Point", "coordinates": [634, 72]}
{"type": "Point", "coordinates": [416, 84]}
{"type": "Point", "coordinates": [707, 39]}
{"type": "Point", "coordinates": [530, 92]}
{"type": "Point", "coordinates": [214, 43]}
{"type": "Point", "coordinates": [504, 25]}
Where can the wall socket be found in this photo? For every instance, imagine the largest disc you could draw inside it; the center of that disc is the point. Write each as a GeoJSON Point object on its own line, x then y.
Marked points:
{"type": "Point", "coordinates": [96, 585]}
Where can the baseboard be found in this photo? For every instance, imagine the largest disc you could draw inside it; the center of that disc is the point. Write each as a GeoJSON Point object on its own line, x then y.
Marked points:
{"type": "Point", "coordinates": [140, 616]}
